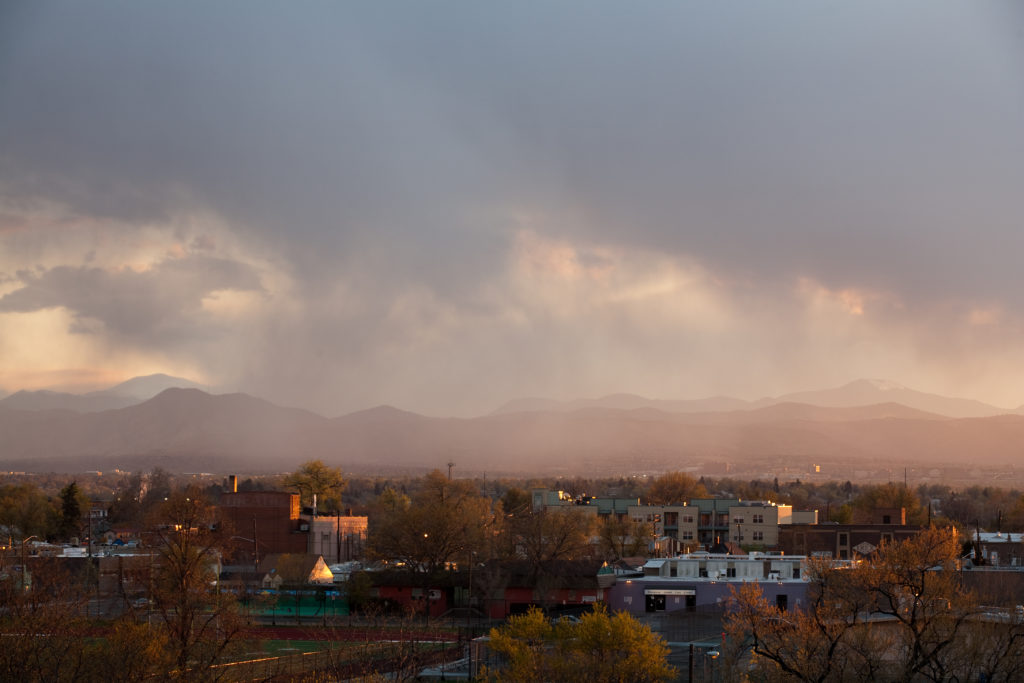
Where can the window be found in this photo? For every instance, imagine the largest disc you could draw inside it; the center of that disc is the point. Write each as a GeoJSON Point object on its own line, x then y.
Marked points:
{"type": "Point", "coordinates": [654, 603]}
{"type": "Point", "coordinates": [703, 572]}
{"type": "Point", "coordinates": [796, 572]}
{"type": "Point", "coordinates": [758, 535]}
{"type": "Point", "coordinates": [673, 569]}
{"type": "Point", "coordinates": [687, 519]}
{"type": "Point", "coordinates": [758, 519]}
{"type": "Point", "coordinates": [687, 536]}
{"type": "Point", "coordinates": [886, 519]}
{"type": "Point", "coordinates": [730, 572]}
{"type": "Point", "coordinates": [844, 539]}
{"type": "Point", "coordinates": [737, 520]}
{"type": "Point", "coordinates": [671, 519]}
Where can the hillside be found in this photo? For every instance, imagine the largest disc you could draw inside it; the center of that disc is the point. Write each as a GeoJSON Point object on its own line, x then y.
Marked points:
{"type": "Point", "coordinates": [187, 429]}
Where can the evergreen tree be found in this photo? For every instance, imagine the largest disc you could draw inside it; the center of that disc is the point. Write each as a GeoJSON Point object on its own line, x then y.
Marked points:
{"type": "Point", "coordinates": [70, 511]}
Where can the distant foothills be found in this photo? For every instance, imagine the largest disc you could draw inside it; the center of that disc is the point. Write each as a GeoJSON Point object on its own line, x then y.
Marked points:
{"type": "Point", "coordinates": [173, 423]}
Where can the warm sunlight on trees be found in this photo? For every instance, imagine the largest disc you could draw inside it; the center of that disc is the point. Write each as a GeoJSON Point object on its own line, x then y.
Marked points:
{"type": "Point", "coordinates": [314, 478]}
{"type": "Point", "coordinates": [444, 521]}
{"type": "Point", "coordinates": [900, 615]}
{"type": "Point", "coordinates": [890, 496]}
{"type": "Point", "coordinates": [672, 488]}
{"type": "Point", "coordinates": [599, 649]}
{"type": "Point", "coordinates": [25, 511]}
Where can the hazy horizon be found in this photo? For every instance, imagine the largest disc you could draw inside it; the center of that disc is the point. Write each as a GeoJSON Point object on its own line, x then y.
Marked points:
{"type": "Point", "coordinates": [444, 207]}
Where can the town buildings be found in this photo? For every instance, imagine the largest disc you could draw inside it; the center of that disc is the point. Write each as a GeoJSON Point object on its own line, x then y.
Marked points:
{"type": "Point", "coordinates": [265, 522]}
{"type": "Point", "coordinates": [702, 579]}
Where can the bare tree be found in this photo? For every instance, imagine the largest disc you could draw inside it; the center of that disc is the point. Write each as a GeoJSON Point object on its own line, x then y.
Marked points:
{"type": "Point", "coordinates": [200, 622]}
{"type": "Point", "coordinates": [900, 615]}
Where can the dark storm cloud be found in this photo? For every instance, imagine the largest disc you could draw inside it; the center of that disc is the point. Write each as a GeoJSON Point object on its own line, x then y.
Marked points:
{"type": "Point", "coordinates": [851, 142]}
{"type": "Point", "coordinates": [158, 306]}
{"type": "Point", "coordinates": [286, 122]}
{"type": "Point", "coordinates": [385, 159]}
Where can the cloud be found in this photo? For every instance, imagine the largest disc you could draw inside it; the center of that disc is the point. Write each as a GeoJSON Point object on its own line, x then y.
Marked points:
{"type": "Point", "coordinates": [442, 207]}
{"type": "Point", "coordinates": [161, 302]}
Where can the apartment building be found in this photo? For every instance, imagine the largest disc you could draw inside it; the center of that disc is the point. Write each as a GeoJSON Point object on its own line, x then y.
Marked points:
{"type": "Point", "coordinates": [544, 499]}
{"type": "Point", "coordinates": [757, 522]}
{"type": "Point", "coordinates": [705, 521]}
{"type": "Point", "coordinates": [692, 525]}
{"type": "Point", "coordinates": [676, 522]}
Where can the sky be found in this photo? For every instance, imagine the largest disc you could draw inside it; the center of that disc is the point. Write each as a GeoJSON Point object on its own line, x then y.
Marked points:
{"type": "Point", "coordinates": [443, 206]}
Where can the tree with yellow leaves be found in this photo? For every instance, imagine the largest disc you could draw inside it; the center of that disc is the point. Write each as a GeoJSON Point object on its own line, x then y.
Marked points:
{"type": "Point", "coordinates": [600, 648]}
{"type": "Point", "coordinates": [674, 488]}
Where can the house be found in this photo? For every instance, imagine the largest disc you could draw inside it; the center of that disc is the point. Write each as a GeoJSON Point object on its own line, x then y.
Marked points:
{"type": "Point", "coordinates": [266, 522]}
{"type": "Point", "coordinates": [512, 587]}
{"type": "Point", "coordinates": [293, 568]}
{"type": "Point", "coordinates": [497, 588]}
{"type": "Point", "coordinates": [841, 541]}
{"type": "Point", "coordinates": [339, 538]}
{"type": "Point", "coordinates": [702, 579]}
{"type": "Point", "coordinates": [998, 549]}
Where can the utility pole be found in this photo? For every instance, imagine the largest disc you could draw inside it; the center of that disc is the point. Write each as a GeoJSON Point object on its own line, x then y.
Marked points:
{"type": "Point", "coordinates": [255, 547]}
{"type": "Point", "coordinates": [24, 561]}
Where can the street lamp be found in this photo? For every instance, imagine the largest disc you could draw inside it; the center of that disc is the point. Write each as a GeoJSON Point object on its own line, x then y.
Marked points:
{"type": "Point", "coordinates": [24, 565]}
{"type": "Point", "coordinates": [713, 654]}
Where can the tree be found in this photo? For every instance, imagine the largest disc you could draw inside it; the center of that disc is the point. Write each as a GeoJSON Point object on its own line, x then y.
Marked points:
{"type": "Point", "coordinates": [900, 615]}
{"type": "Point", "coordinates": [156, 488]}
{"type": "Point", "coordinates": [26, 511]}
{"type": "Point", "coordinates": [890, 496]}
{"type": "Point", "coordinates": [71, 506]}
{"type": "Point", "coordinates": [516, 501]}
{"type": "Point", "coordinates": [126, 506]}
{"type": "Point", "coordinates": [315, 479]}
{"type": "Point", "coordinates": [600, 648]}
{"type": "Point", "coordinates": [445, 521]}
{"type": "Point", "coordinates": [200, 623]}
{"type": "Point", "coordinates": [130, 652]}
{"type": "Point", "coordinates": [624, 537]}
{"type": "Point", "coordinates": [674, 488]}
{"type": "Point", "coordinates": [547, 536]}
{"type": "Point", "coordinates": [41, 628]}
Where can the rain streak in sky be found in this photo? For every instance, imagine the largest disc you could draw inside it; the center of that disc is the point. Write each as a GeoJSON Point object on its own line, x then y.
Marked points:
{"type": "Point", "coordinates": [442, 206]}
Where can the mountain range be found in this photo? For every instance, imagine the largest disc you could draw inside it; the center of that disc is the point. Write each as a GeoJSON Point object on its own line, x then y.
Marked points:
{"type": "Point", "coordinates": [187, 429]}
{"type": "Point", "coordinates": [129, 393]}
{"type": "Point", "coordinates": [858, 393]}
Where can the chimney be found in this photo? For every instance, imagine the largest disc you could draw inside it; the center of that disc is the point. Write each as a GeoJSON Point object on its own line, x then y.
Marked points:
{"type": "Point", "coordinates": [232, 483]}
